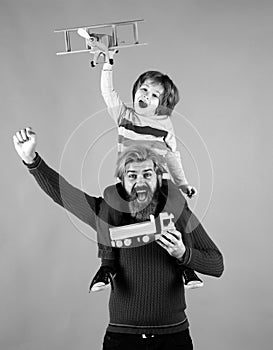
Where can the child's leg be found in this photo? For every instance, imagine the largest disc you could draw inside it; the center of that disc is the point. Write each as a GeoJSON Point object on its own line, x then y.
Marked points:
{"type": "Point", "coordinates": [107, 255]}
{"type": "Point", "coordinates": [107, 271]}
{"type": "Point", "coordinates": [105, 250]}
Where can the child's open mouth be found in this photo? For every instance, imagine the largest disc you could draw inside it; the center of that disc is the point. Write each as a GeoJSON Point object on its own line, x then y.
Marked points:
{"type": "Point", "coordinates": [142, 104]}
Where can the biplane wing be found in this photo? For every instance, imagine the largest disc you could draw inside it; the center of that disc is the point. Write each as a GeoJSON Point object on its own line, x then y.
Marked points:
{"type": "Point", "coordinates": [111, 39]}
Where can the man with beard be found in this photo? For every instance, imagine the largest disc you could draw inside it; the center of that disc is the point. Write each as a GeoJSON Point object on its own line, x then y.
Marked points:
{"type": "Point", "coordinates": [147, 306]}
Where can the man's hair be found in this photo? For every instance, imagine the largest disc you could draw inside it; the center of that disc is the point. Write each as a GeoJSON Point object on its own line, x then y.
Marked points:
{"type": "Point", "coordinates": [170, 96]}
{"type": "Point", "coordinates": [137, 153]}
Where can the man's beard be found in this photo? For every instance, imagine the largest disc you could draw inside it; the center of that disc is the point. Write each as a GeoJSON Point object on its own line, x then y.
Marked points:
{"type": "Point", "coordinates": [141, 210]}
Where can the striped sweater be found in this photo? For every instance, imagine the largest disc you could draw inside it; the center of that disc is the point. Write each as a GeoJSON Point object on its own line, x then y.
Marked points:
{"type": "Point", "coordinates": [149, 293]}
{"type": "Point", "coordinates": [156, 132]}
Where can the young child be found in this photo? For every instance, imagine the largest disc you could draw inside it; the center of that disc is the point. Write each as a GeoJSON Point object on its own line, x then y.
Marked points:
{"type": "Point", "coordinates": [154, 98]}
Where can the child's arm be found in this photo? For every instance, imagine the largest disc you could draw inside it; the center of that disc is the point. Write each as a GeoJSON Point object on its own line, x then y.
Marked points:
{"type": "Point", "coordinates": [115, 106]}
{"type": "Point", "coordinates": [174, 164]}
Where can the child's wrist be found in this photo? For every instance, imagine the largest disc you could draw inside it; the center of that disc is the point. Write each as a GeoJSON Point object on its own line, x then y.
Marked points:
{"type": "Point", "coordinates": [107, 67]}
{"type": "Point", "coordinates": [184, 186]}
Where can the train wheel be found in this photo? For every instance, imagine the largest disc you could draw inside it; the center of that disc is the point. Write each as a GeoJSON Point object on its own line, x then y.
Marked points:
{"type": "Point", "coordinates": [145, 239]}
{"type": "Point", "coordinates": [119, 244]}
{"type": "Point", "coordinates": [127, 242]}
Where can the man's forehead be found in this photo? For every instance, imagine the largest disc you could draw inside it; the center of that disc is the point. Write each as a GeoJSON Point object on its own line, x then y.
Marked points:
{"type": "Point", "coordinates": [140, 166]}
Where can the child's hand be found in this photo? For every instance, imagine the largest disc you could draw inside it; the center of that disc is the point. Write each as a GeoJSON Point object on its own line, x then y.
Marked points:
{"type": "Point", "coordinates": [112, 53]}
{"type": "Point", "coordinates": [190, 191]}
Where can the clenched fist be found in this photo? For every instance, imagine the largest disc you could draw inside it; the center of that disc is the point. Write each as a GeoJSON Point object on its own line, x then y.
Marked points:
{"type": "Point", "coordinates": [25, 142]}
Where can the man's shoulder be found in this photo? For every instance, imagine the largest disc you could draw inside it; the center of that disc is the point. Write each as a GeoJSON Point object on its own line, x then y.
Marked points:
{"type": "Point", "coordinates": [111, 190]}
{"type": "Point", "coordinates": [170, 189]}
{"type": "Point", "coordinates": [174, 201]}
{"type": "Point", "coordinates": [115, 197]}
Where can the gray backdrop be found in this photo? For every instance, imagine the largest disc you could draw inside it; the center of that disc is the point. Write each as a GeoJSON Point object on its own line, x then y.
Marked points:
{"type": "Point", "coordinates": [219, 54]}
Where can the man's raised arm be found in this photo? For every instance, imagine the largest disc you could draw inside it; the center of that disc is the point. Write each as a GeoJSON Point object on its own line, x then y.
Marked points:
{"type": "Point", "coordinates": [77, 202]}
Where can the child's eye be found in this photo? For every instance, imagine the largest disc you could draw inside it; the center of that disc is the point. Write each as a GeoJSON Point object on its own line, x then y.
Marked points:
{"type": "Point", "coordinates": [155, 95]}
{"type": "Point", "coordinates": [143, 89]}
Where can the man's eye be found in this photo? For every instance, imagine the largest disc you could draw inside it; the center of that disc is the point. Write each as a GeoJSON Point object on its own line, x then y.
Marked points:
{"type": "Point", "coordinates": [147, 175]}
{"type": "Point", "coordinates": [132, 176]}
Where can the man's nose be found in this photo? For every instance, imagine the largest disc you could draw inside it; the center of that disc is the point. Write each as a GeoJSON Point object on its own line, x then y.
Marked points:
{"type": "Point", "coordinates": [140, 179]}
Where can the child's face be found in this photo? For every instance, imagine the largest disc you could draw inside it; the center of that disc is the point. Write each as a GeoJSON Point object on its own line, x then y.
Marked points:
{"type": "Point", "coordinates": [147, 98]}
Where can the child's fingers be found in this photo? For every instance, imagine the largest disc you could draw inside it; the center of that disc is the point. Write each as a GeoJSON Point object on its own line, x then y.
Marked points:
{"type": "Point", "coordinates": [112, 53]}
{"type": "Point", "coordinates": [191, 191]}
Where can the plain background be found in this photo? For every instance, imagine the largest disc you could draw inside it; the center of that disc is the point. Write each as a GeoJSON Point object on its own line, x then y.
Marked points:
{"type": "Point", "coordinates": [219, 54]}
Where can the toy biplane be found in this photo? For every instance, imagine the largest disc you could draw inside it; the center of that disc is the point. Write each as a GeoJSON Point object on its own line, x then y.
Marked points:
{"type": "Point", "coordinates": [100, 39]}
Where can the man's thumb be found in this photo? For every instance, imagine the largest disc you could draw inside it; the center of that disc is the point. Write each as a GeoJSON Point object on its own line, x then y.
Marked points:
{"type": "Point", "coordinates": [30, 132]}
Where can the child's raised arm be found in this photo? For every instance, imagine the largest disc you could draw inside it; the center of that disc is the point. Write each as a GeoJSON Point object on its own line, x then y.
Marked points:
{"type": "Point", "coordinates": [113, 102]}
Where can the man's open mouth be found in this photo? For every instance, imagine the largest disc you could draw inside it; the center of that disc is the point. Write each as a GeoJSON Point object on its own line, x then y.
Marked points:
{"type": "Point", "coordinates": [142, 195]}
{"type": "Point", "coordinates": [142, 104]}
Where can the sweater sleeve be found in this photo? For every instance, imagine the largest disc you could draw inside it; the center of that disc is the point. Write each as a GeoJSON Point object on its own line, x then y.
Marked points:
{"type": "Point", "coordinates": [172, 157]}
{"type": "Point", "coordinates": [115, 106]}
{"type": "Point", "coordinates": [77, 202]}
{"type": "Point", "coordinates": [170, 139]}
{"type": "Point", "coordinates": [203, 256]}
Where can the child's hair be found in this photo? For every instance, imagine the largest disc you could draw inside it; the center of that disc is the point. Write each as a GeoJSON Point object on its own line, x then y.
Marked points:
{"type": "Point", "coordinates": [170, 96]}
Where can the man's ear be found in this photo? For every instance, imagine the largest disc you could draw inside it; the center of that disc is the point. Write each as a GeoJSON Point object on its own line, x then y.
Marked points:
{"type": "Point", "coordinates": [122, 181]}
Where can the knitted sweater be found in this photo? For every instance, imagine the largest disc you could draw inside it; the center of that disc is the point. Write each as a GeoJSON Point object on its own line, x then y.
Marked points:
{"type": "Point", "coordinates": [149, 293]}
{"type": "Point", "coordinates": [156, 131]}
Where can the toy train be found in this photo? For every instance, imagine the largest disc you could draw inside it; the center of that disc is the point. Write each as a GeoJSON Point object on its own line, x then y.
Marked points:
{"type": "Point", "coordinates": [138, 234]}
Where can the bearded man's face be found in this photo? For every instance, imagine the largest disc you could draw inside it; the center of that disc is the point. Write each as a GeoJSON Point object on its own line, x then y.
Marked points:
{"type": "Point", "coordinates": [140, 183]}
